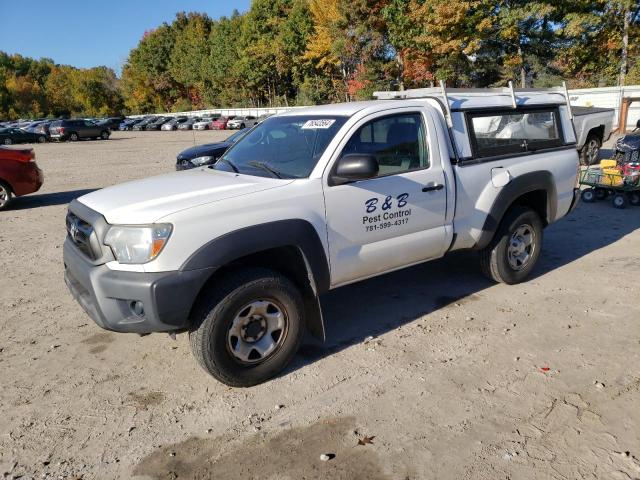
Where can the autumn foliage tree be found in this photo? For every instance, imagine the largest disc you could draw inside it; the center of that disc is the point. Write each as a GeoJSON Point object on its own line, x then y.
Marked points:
{"type": "Point", "coordinates": [298, 52]}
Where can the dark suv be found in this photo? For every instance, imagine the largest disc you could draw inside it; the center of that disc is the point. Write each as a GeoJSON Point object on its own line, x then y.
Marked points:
{"type": "Point", "coordinates": [77, 129]}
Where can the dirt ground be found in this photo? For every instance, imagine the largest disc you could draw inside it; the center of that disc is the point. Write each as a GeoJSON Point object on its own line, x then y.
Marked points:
{"type": "Point", "coordinates": [456, 378]}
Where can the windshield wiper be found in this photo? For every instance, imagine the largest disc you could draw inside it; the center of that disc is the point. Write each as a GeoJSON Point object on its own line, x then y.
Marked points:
{"type": "Point", "coordinates": [266, 168]}
{"type": "Point", "coordinates": [230, 163]}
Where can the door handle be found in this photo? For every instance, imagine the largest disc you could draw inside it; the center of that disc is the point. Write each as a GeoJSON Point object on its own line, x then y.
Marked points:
{"type": "Point", "coordinates": [433, 188]}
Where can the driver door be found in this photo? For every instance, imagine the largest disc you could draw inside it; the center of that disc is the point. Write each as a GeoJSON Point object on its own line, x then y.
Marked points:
{"type": "Point", "coordinates": [396, 218]}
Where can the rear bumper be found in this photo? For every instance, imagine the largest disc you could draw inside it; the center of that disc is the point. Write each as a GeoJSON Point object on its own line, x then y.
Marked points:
{"type": "Point", "coordinates": [29, 179]}
{"type": "Point", "coordinates": [108, 296]}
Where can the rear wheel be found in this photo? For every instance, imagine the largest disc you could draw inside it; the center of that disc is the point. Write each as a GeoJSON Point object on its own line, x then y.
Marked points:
{"type": "Point", "coordinates": [590, 150]}
{"type": "Point", "coordinates": [247, 328]}
{"type": "Point", "coordinates": [619, 200]}
{"type": "Point", "coordinates": [73, 136]}
{"type": "Point", "coordinates": [104, 135]}
{"type": "Point", "coordinates": [6, 195]}
{"type": "Point", "coordinates": [634, 199]}
{"type": "Point", "coordinates": [7, 141]}
{"type": "Point", "coordinates": [515, 248]}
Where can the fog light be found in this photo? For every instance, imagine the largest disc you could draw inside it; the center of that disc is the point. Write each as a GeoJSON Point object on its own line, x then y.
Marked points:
{"type": "Point", "coordinates": [137, 307]}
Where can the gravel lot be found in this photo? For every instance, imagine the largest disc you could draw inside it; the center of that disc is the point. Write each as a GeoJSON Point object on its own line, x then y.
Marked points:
{"type": "Point", "coordinates": [453, 376]}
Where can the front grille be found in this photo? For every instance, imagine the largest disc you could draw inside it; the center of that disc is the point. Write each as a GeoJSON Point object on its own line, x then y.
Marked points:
{"type": "Point", "coordinates": [79, 232]}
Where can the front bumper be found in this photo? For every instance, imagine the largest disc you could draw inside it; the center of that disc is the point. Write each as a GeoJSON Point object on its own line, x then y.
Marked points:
{"type": "Point", "coordinates": [108, 296]}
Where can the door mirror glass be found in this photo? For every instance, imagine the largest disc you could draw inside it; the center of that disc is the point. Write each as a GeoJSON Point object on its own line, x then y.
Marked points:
{"type": "Point", "coordinates": [356, 166]}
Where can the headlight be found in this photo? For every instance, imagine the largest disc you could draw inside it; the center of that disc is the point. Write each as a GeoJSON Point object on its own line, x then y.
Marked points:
{"type": "Point", "coordinates": [137, 244]}
{"type": "Point", "coordinates": [201, 160]}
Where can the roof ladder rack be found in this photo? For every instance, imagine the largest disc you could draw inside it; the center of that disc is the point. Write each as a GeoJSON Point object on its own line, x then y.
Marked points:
{"type": "Point", "coordinates": [447, 107]}
{"type": "Point", "coordinates": [566, 96]}
{"type": "Point", "coordinates": [512, 91]}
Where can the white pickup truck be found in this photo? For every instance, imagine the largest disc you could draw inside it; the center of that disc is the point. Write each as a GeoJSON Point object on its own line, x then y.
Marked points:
{"type": "Point", "coordinates": [237, 254]}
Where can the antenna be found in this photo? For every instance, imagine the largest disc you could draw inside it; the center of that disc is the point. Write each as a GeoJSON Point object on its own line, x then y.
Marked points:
{"type": "Point", "coordinates": [446, 103]}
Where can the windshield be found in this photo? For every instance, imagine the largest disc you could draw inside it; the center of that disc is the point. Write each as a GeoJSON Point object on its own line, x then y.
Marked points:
{"type": "Point", "coordinates": [283, 147]}
{"type": "Point", "coordinates": [236, 136]}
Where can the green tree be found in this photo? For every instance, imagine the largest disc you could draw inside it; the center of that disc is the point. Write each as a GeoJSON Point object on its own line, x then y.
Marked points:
{"type": "Point", "coordinates": [189, 56]}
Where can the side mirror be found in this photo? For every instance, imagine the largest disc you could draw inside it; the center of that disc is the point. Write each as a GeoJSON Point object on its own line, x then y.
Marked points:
{"type": "Point", "coordinates": [356, 166]}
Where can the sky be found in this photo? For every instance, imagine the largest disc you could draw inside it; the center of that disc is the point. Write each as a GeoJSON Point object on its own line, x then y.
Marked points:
{"type": "Point", "coordinates": [88, 33]}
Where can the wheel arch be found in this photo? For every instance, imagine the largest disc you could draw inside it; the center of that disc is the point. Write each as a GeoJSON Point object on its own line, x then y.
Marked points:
{"type": "Point", "coordinates": [535, 190]}
{"type": "Point", "coordinates": [8, 184]}
{"type": "Point", "coordinates": [598, 132]}
{"type": "Point", "coordinates": [290, 247]}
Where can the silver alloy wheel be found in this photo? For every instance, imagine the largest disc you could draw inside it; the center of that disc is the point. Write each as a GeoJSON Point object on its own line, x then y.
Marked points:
{"type": "Point", "coordinates": [7, 141]}
{"type": "Point", "coordinates": [257, 330]}
{"type": "Point", "coordinates": [5, 196]}
{"type": "Point", "coordinates": [593, 149]}
{"type": "Point", "coordinates": [522, 245]}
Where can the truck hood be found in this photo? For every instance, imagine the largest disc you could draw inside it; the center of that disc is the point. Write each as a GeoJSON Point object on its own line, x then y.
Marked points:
{"type": "Point", "coordinates": [148, 200]}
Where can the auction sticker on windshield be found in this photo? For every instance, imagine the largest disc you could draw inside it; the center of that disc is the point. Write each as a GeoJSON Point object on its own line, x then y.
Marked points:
{"type": "Point", "coordinates": [322, 123]}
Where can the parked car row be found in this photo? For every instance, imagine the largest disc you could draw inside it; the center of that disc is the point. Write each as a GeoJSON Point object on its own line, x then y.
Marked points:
{"type": "Point", "coordinates": [43, 130]}
{"type": "Point", "coordinates": [209, 122]}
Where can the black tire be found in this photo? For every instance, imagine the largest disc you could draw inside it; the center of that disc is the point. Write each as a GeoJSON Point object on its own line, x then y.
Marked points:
{"type": "Point", "coordinates": [600, 193]}
{"type": "Point", "coordinates": [619, 200]}
{"type": "Point", "coordinates": [42, 139]}
{"type": "Point", "coordinates": [214, 314]}
{"type": "Point", "coordinates": [7, 141]}
{"type": "Point", "coordinates": [104, 135]}
{"type": "Point", "coordinates": [634, 199]}
{"type": "Point", "coordinates": [496, 260]}
{"type": "Point", "coordinates": [590, 150]}
{"type": "Point", "coordinates": [588, 195]}
{"type": "Point", "coordinates": [73, 136]}
{"type": "Point", "coordinates": [6, 195]}
{"type": "Point", "coordinates": [243, 126]}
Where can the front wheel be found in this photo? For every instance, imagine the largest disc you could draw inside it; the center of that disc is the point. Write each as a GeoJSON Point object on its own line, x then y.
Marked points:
{"type": "Point", "coordinates": [634, 199]}
{"type": "Point", "coordinates": [588, 195]}
{"type": "Point", "coordinates": [7, 141]}
{"type": "Point", "coordinates": [247, 328]}
{"type": "Point", "coordinates": [42, 139]}
{"type": "Point", "coordinates": [515, 248]}
{"type": "Point", "coordinates": [104, 135]}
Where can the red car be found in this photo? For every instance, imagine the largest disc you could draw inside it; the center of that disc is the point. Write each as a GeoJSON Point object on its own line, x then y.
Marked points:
{"type": "Point", "coordinates": [220, 123]}
{"type": "Point", "coordinates": [19, 174]}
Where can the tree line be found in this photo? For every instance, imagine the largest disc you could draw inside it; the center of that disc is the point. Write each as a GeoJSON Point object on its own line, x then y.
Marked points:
{"type": "Point", "coordinates": [297, 52]}
{"type": "Point", "coordinates": [37, 88]}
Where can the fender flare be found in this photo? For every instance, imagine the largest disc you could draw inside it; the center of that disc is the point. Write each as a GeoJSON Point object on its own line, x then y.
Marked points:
{"type": "Point", "coordinates": [296, 233]}
{"type": "Point", "coordinates": [519, 186]}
